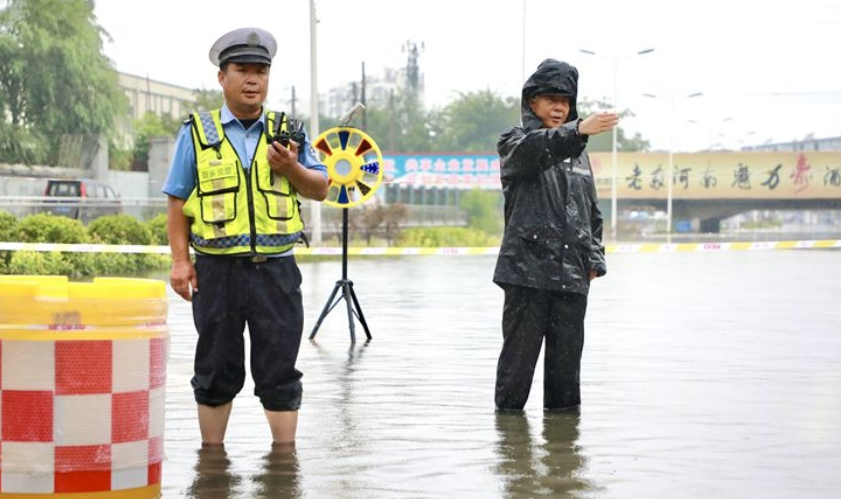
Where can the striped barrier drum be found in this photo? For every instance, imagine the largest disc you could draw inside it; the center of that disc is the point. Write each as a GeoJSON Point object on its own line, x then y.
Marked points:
{"type": "Point", "coordinates": [82, 375]}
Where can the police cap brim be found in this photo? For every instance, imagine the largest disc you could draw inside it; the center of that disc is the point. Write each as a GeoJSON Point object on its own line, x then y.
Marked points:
{"type": "Point", "coordinates": [244, 45]}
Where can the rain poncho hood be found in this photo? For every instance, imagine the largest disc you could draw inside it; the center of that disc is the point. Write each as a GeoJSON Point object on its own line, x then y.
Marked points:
{"type": "Point", "coordinates": [551, 77]}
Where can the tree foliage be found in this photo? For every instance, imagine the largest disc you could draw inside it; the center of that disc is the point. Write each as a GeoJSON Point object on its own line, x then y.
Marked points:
{"type": "Point", "coordinates": [207, 100]}
{"type": "Point", "coordinates": [151, 125]}
{"type": "Point", "coordinates": [484, 210]}
{"type": "Point", "coordinates": [472, 122]}
{"type": "Point", "coordinates": [54, 78]}
{"type": "Point", "coordinates": [401, 124]}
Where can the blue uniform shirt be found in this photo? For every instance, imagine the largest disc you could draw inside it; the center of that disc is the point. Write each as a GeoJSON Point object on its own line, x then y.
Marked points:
{"type": "Point", "coordinates": [181, 179]}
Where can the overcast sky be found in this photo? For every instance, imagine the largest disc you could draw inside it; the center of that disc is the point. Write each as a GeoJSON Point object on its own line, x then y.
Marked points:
{"type": "Point", "coordinates": [767, 73]}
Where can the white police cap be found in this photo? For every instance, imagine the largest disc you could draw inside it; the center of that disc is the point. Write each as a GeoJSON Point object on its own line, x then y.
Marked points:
{"type": "Point", "coordinates": [244, 45]}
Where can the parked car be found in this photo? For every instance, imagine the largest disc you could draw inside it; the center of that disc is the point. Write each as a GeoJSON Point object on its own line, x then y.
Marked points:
{"type": "Point", "coordinates": [81, 199]}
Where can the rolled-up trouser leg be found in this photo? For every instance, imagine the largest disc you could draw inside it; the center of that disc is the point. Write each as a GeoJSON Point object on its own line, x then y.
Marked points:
{"type": "Point", "coordinates": [524, 319]}
{"type": "Point", "coordinates": [564, 346]}
{"type": "Point", "coordinates": [220, 349]}
{"type": "Point", "coordinates": [275, 316]}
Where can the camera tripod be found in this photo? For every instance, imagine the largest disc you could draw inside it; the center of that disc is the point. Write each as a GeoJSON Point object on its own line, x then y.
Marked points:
{"type": "Point", "coordinates": [344, 285]}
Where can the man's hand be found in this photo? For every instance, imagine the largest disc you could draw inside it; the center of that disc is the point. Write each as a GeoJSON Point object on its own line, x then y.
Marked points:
{"type": "Point", "coordinates": [183, 279]}
{"type": "Point", "coordinates": [598, 123]}
{"type": "Point", "coordinates": [593, 275]}
{"type": "Point", "coordinates": [308, 183]}
{"type": "Point", "coordinates": [282, 160]}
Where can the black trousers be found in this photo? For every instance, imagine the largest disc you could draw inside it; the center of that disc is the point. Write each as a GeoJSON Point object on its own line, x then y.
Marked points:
{"type": "Point", "coordinates": [234, 292]}
{"type": "Point", "coordinates": [529, 316]}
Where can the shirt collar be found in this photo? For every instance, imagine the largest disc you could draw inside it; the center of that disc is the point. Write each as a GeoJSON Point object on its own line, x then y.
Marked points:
{"type": "Point", "coordinates": [226, 116]}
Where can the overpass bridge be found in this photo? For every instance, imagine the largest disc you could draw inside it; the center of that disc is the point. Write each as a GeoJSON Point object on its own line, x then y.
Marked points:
{"type": "Point", "coordinates": [706, 187]}
{"type": "Point", "coordinates": [710, 187]}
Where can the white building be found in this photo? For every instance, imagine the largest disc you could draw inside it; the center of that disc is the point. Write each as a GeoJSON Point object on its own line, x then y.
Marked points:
{"type": "Point", "coordinates": [150, 96]}
{"type": "Point", "coordinates": [378, 90]}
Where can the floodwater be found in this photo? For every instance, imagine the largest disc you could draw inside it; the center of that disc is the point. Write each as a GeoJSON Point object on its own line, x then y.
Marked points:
{"type": "Point", "coordinates": [714, 375]}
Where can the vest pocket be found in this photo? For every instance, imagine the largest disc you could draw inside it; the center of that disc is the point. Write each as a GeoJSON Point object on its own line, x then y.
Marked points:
{"type": "Point", "coordinates": [218, 208]}
{"type": "Point", "coordinates": [276, 191]}
{"type": "Point", "coordinates": [217, 189]}
{"type": "Point", "coordinates": [218, 178]}
{"type": "Point", "coordinates": [279, 206]}
{"type": "Point", "coordinates": [269, 182]}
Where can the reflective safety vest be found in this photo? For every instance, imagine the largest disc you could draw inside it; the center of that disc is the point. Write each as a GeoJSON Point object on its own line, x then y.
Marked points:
{"type": "Point", "coordinates": [236, 211]}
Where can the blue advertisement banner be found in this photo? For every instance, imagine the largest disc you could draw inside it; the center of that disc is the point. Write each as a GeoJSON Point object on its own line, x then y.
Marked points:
{"type": "Point", "coordinates": [444, 170]}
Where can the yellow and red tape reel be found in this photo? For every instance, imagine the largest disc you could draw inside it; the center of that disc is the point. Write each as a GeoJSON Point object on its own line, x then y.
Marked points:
{"type": "Point", "coordinates": [354, 165]}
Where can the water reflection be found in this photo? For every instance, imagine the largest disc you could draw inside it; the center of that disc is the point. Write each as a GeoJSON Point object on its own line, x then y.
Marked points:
{"type": "Point", "coordinates": [342, 374]}
{"type": "Point", "coordinates": [528, 466]}
{"type": "Point", "coordinates": [213, 477]}
{"type": "Point", "coordinates": [280, 474]}
{"type": "Point", "coordinates": [276, 474]}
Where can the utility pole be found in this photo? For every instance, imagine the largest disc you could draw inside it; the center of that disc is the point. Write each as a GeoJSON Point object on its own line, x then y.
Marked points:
{"type": "Point", "coordinates": [614, 205]}
{"type": "Point", "coordinates": [392, 120]}
{"type": "Point", "coordinates": [294, 99]}
{"type": "Point", "coordinates": [314, 132]}
{"type": "Point", "coordinates": [413, 78]}
{"type": "Point", "coordinates": [362, 100]}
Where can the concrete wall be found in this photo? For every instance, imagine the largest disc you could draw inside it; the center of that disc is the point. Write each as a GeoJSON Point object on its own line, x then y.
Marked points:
{"type": "Point", "coordinates": [161, 150]}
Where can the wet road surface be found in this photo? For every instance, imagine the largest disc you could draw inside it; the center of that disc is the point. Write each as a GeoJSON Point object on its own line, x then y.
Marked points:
{"type": "Point", "coordinates": [704, 375]}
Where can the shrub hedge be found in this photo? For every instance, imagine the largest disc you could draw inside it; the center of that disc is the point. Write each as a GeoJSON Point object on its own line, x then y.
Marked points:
{"type": "Point", "coordinates": [46, 228]}
{"type": "Point", "coordinates": [125, 229]}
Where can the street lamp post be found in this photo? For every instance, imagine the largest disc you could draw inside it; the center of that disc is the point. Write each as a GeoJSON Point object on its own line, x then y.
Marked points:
{"type": "Point", "coordinates": [614, 141]}
{"type": "Point", "coordinates": [314, 131]}
{"type": "Point", "coordinates": [523, 55]}
{"type": "Point", "coordinates": [670, 168]}
{"type": "Point", "coordinates": [711, 124]}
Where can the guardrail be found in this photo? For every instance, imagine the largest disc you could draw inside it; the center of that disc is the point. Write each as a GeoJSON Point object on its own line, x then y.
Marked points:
{"type": "Point", "coordinates": [146, 208]}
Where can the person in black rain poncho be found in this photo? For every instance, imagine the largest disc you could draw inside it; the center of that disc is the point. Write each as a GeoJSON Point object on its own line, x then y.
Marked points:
{"type": "Point", "coordinates": [552, 245]}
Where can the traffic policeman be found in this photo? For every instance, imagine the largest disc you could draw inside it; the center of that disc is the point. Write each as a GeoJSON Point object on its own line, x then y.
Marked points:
{"type": "Point", "coordinates": [233, 196]}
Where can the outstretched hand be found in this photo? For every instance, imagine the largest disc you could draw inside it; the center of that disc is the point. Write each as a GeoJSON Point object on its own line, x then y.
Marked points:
{"type": "Point", "coordinates": [598, 123]}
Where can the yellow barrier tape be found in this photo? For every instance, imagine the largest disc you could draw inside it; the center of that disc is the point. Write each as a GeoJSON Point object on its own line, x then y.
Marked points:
{"type": "Point", "coordinates": [391, 251]}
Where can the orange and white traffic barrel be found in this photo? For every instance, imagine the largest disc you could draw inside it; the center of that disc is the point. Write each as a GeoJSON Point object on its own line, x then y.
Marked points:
{"type": "Point", "coordinates": [82, 387]}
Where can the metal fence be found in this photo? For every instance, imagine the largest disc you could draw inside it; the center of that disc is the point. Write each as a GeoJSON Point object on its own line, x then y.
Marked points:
{"type": "Point", "coordinates": [87, 209]}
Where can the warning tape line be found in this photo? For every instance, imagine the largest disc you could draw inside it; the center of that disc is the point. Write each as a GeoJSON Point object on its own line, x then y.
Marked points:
{"type": "Point", "coordinates": [734, 246]}
{"type": "Point", "coordinates": [383, 251]}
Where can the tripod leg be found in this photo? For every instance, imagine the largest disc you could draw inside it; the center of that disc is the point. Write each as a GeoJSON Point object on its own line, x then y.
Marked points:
{"type": "Point", "coordinates": [327, 308]}
{"type": "Point", "coordinates": [359, 312]}
{"type": "Point", "coordinates": [347, 290]}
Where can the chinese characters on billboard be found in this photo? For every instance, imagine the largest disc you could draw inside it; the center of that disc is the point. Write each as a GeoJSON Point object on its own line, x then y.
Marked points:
{"type": "Point", "coordinates": [717, 175]}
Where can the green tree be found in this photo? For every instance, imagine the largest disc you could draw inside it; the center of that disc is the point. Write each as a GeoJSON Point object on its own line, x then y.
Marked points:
{"type": "Point", "coordinates": [54, 78]}
{"type": "Point", "coordinates": [474, 121]}
{"type": "Point", "coordinates": [484, 210]}
{"type": "Point", "coordinates": [151, 125]}
{"type": "Point", "coordinates": [207, 100]}
{"type": "Point", "coordinates": [401, 125]}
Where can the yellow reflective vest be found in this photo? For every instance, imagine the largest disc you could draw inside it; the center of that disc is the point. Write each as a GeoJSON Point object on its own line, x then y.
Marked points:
{"type": "Point", "coordinates": [235, 211]}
